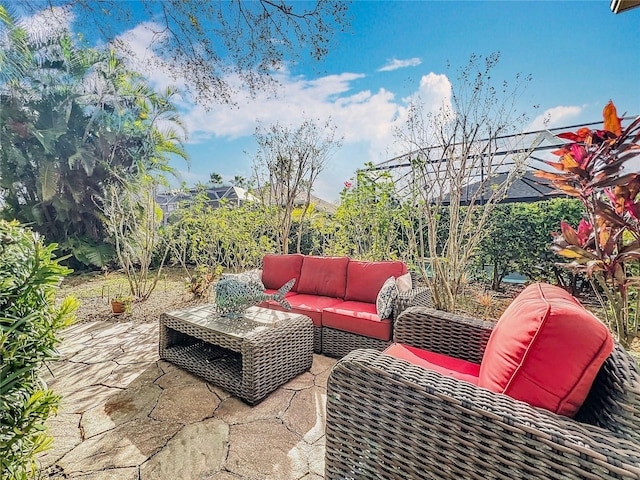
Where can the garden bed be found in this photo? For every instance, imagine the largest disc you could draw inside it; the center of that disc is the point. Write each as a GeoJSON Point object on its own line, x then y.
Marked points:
{"type": "Point", "coordinates": [95, 291]}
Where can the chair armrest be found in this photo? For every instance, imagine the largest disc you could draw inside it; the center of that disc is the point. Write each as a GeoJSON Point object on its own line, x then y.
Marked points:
{"type": "Point", "coordinates": [387, 418]}
{"type": "Point", "coordinates": [443, 332]}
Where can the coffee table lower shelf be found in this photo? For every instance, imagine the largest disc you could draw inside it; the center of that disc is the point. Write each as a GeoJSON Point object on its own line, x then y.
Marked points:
{"type": "Point", "coordinates": [217, 365]}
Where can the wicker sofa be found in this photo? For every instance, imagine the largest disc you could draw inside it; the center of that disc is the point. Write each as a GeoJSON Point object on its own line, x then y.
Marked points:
{"type": "Point", "coordinates": [339, 295]}
{"type": "Point", "coordinates": [390, 419]}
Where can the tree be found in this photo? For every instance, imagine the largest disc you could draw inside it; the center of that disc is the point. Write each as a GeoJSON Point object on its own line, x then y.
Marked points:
{"type": "Point", "coordinates": [240, 181]}
{"type": "Point", "coordinates": [133, 219]}
{"type": "Point", "coordinates": [454, 164]}
{"type": "Point", "coordinates": [215, 178]}
{"type": "Point", "coordinates": [75, 120]}
{"type": "Point", "coordinates": [13, 61]}
{"type": "Point", "coordinates": [286, 167]}
{"type": "Point", "coordinates": [211, 44]}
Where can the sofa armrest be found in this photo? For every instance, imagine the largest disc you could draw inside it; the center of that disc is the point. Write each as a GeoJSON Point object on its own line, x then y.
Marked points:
{"type": "Point", "coordinates": [387, 418]}
{"type": "Point", "coordinates": [418, 296]}
{"type": "Point", "coordinates": [443, 332]}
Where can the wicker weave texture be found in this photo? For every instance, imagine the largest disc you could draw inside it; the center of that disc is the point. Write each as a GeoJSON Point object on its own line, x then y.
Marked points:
{"type": "Point", "coordinates": [613, 402]}
{"type": "Point", "coordinates": [338, 343]}
{"type": "Point", "coordinates": [442, 332]}
{"type": "Point", "coordinates": [317, 339]}
{"type": "Point", "coordinates": [251, 366]}
{"type": "Point", "coordinates": [388, 419]}
{"type": "Point", "coordinates": [418, 296]}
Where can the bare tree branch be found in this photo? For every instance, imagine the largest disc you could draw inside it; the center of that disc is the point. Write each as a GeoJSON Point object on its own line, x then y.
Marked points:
{"type": "Point", "coordinates": [207, 43]}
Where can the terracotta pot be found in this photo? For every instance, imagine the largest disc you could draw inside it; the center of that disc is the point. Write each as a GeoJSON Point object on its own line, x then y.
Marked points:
{"type": "Point", "coordinates": [117, 307]}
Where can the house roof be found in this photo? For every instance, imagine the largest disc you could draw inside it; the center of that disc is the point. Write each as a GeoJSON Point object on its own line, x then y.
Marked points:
{"type": "Point", "coordinates": [216, 194]}
{"type": "Point", "coordinates": [528, 188]}
{"type": "Point", "coordinates": [536, 146]}
{"type": "Point", "coordinates": [317, 202]}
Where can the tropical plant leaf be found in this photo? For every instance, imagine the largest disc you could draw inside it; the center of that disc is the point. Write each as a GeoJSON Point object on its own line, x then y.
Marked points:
{"type": "Point", "coordinates": [570, 235]}
{"type": "Point", "coordinates": [610, 181]}
{"type": "Point", "coordinates": [576, 253]}
{"type": "Point", "coordinates": [91, 253]}
{"type": "Point", "coordinates": [611, 120]}
{"type": "Point", "coordinates": [48, 181]}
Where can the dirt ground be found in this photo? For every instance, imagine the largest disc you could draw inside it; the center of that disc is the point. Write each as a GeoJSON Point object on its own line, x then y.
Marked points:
{"type": "Point", "coordinates": [95, 291]}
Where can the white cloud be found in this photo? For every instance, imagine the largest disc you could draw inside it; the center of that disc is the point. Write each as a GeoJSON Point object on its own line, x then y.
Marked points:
{"type": "Point", "coordinates": [48, 22]}
{"type": "Point", "coordinates": [554, 117]}
{"type": "Point", "coordinates": [135, 46]}
{"type": "Point", "coordinates": [365, 118]}
{"type": "Point", "coordinates": [395, 64]}
{"type": "Point", "coordinates": [435, 92]}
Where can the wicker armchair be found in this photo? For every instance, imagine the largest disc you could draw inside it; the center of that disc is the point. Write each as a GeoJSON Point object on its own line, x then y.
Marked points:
{"type": "Point", "coordinates": [389, 419]}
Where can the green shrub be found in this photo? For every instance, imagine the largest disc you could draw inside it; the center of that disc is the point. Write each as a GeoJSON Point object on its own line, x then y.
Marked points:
{"type": "Point", "coordinates": [519, 236]}
{"type": "Point", "coordinates": [29, 323]}
{"type": "Point", "coordinates": [232, 237]}
{"type": "Point", "coordinates": [368, 223]}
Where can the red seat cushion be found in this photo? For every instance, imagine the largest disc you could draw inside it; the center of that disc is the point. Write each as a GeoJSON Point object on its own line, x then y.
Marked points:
{"type": "Point", "coordinates": [326, 276]}
{"type": "Point", "coordinates": [357, 317]}
{"type": "Point", "coordinates": [545, 350]}
{"type": "Point", "coordinates": [449, 366]}
{"type": "Point", "coordinates": [309, 305]}
{"type": "Point", "coordinates": [364, 279]}
{"type": "Point", "coordinates": [279, 269]}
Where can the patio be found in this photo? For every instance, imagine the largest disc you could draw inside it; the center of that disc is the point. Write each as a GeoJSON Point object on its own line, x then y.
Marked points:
{"type": "Point", "coordinates": [127, 415]}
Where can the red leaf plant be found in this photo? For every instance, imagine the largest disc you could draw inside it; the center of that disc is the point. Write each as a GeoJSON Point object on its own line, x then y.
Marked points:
{"type": "Point", "coordinates": [602, 169]}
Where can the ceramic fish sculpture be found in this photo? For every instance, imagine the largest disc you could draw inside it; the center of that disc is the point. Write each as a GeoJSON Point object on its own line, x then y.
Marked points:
{"type": "Point", "coordinates": [233, 297]}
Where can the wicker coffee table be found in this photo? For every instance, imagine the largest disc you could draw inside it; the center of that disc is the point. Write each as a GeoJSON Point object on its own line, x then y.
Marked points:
{"type": "Point", "coordinates": [249, 356]}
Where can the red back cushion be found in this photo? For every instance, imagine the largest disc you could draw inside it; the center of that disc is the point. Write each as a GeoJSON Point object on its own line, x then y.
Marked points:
{"type": "Point", "coordinates": [279, 269]}
{"type": "Point", "coordinates": [326, 276]}
{"type": "Point", "coordinates": [545, 350]}
{"type": "Point", "coordinates": [364, 279]}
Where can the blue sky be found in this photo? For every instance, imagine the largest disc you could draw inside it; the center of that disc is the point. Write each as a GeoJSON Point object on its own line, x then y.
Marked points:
{"type": "Point", "coordinates": [578, 53]}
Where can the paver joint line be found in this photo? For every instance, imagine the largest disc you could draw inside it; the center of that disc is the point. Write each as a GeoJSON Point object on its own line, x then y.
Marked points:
{"type": "Point", "coordinates": [273, 457]}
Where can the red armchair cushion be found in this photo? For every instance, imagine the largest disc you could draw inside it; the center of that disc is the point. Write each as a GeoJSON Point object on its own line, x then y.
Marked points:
{"type": "Point", "coordinates": [443, 364]}
{"type": "Point", "coordinates": [365, 279]}
{"type": "Point", "coordinates": [357, 317]}
{"type": "Point", "coordinates": [326, 276]}
{"type": "Point", "coordinates": [545, 350]}
{"type": "Point", "coordinates": [279, 269]}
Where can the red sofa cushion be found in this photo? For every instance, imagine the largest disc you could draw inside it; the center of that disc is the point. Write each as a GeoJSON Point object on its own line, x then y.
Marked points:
{"type": "Point", "coordinates": [279, 269]}
{"type": "Point", "coordinates": [545, 350]}
{"type": "Point", "coordinates": [449, 366]}
{"type": "Point", "coordinates": [364, 279]}
{"type": "Point", "coordinates": [309, 305]}
{"type": "Point", "coordinates": [326, 276]}
{"type": "Point", "coordinates": [357, 317]}
{"type": "Point", "coordinates": [271, 291]}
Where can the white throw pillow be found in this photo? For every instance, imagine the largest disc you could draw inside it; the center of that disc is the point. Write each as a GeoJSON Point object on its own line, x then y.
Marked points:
{"type": "Point", "coordinates": [386, 298]}
{"type": "Point", "coordinates": [403, 282]}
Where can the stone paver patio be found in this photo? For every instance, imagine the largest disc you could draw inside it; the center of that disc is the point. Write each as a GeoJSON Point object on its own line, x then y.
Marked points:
{"type": "Point", "coordinates": [127, 415]}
